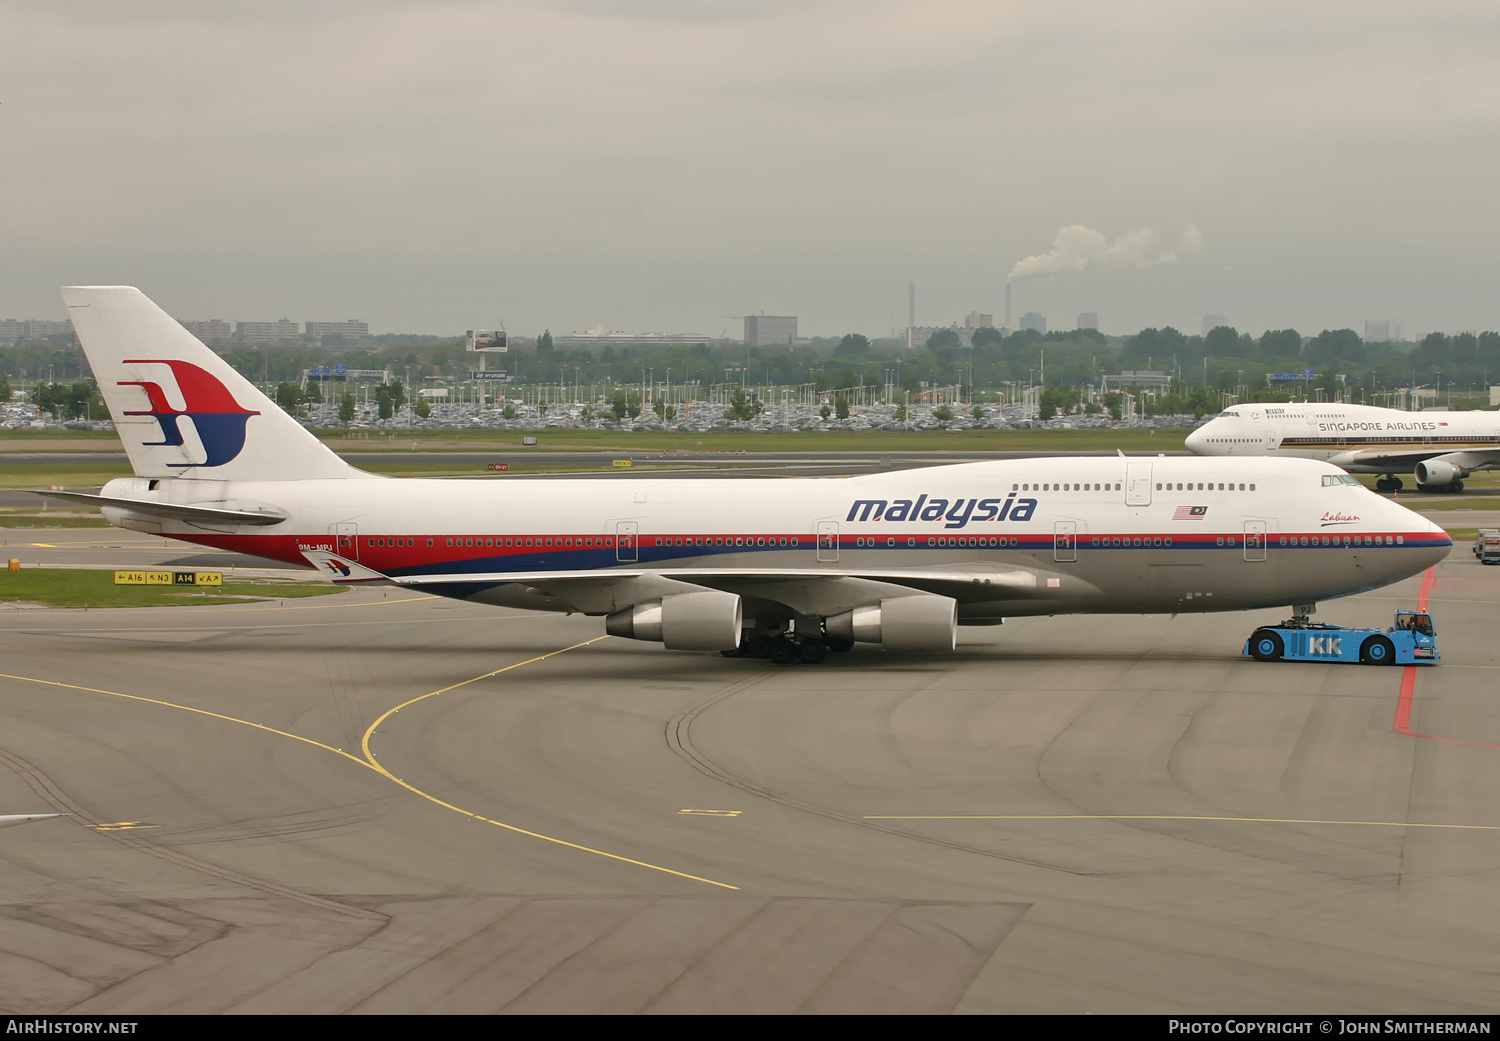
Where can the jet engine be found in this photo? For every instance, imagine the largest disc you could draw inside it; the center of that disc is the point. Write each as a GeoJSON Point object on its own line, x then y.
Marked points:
{"type": "Point", "coordinates": [1437, 472]}
{"type": "Point", "coordinates": [902, 623]}
{"type": "Point", "coordinates": [705, 621]}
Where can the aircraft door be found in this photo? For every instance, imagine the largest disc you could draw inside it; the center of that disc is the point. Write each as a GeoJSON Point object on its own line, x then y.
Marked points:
{"type": "Point", "coordinates": [346, 540]}
{"type": "Point", "coordinates": [1137, 484]}
{"type": "Point", "coordinates": [828, 541]}
{"type": "Point", "coordinates": [1272, 441]}
{"type": "Point", "coordinates": [627, 539]}
{"type": "Point", "coordinates": [1065, 541]}
{"type": "Point", "coordinates": [1255, 540]}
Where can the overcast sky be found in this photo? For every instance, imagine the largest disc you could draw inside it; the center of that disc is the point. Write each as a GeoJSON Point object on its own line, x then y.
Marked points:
{"type": "Point", "coordinates": [657, 165]}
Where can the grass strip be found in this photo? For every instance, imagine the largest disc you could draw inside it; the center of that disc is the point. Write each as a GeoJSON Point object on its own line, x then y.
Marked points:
{"type": "Point", "coordinates": [74, 587]}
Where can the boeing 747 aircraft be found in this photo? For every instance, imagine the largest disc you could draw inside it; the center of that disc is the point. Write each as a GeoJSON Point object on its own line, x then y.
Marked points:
{"type": "Point", "coordinates": [787, 569]}
{"type": "Point", "coordinates": [1441, 448]}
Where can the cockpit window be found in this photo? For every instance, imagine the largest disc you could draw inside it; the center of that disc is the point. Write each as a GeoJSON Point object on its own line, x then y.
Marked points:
{"type": "Point", "coordinates": [1330, 480]}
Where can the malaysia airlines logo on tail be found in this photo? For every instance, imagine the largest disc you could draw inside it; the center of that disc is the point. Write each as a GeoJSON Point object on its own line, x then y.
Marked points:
{"type": "Point", "coordinates": [217, 417]}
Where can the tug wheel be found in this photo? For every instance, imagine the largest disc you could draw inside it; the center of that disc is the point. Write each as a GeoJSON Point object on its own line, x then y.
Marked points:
{"type": "Point", "coordinates": [1266, 645]}
{"type": "Point", "coordinates": [1377, 650]}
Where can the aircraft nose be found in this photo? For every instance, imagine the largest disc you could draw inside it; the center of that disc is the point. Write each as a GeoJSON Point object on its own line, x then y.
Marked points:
{"type": "Point", "coordinates": [1426, 544]}
{"type": "Point", "coordinates": [1196, 442]}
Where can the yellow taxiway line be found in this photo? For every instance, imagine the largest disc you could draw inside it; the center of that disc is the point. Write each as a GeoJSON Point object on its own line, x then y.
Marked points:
{"type": "Point", "coordinates": [369, 762]}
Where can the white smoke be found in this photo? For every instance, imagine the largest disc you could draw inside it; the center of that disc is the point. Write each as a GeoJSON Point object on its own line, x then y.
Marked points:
{"type": "Point", "coordinates": [1076, 247]}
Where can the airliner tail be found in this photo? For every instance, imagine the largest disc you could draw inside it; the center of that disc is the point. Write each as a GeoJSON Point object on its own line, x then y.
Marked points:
{"type": "Point", "coordinates": [181, 410]}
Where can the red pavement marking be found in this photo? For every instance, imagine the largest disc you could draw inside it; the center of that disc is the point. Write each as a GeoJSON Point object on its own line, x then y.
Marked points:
{"type": "Point", "coordinates": [1402, 725]}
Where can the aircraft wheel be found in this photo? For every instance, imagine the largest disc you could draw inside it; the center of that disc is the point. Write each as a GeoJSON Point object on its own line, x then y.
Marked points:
{"type": "Point", "coordinates": [738, 652]}
{"type": "Point", "coordinates": [814, 651]}
{"type": "Point", "coordinates": [1377, 650]}
{"type": "Point", "coordinates": [838, 644]}
{"type": "Point", "coordinates": [1456, 486]}
{"type": "Point", "coordinates": [1385, 484]}
{"type": "Point", "coordinates": [762, 645]}
{"type": "Point", "coordinates": [784, 652]}
{"type": "Point", "coordinates": [1266, 645]}
{"type": "Point", "coordinates": [1396, 484]}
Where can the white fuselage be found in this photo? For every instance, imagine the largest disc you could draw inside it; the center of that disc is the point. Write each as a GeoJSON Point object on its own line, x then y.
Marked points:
{"type": "Point", "coordinates": [1109, 534]}
{"type": "Point", "coordinates": [1357, 438]}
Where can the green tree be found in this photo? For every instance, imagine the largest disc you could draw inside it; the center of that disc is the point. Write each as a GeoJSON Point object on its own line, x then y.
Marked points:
{"type": "Point", "coordinates": [587, 415]}
{"type": "Point", "coordinates": [509, 412]}
{"type": "Point", "coordinates": [900, 414]}
{"type": "Point", "coordinates": [544, 343]}
{"type": "Point", "coordinates": [741, 408]}
{"type": "Point", "coordinates": [825, 411]}
{"type": "Point", "coordinates": [943, 338]}
{"type": "Point", "coordinates": [290, 396]}
{"type": "Point", "coordinates": [943, 414]}
{"type": "Point", "coordinates": [385, 406]}
{"type": "Point", "coordinates": [346, 408]}
{"type": "Point", "coordinates": [853, 344]}
{"type": "Point", "coordinates": [625, 405]}
{"type": "Point", "coordinates": [841, 406]}
{"type": "Point", "coordinates": [422, 408]}
{"type": "Point", "coordinates": [977, 412]}
{"type": "Point", "coordinates": [1222, 341]}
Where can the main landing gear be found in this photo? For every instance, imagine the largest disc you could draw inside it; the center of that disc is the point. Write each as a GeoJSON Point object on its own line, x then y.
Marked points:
{"type": "Point", "coordinates": [787, 648]}
{"type": "Point", "coordinates": [1389, 483]}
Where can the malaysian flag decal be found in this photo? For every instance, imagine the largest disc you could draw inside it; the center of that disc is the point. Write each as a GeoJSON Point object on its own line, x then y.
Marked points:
{"type": "Point", "coordinates": [1190, 513]}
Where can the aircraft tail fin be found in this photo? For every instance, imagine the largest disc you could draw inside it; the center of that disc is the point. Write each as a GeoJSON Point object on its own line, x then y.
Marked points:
{"type": "Point", "coordinates": [180, 409]}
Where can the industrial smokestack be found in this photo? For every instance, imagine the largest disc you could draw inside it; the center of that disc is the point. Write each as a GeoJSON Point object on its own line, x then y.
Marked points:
{"type": "Point", "coordinates": [911, 315]}
{"type": "Point", "coordinates": [1007, 306]}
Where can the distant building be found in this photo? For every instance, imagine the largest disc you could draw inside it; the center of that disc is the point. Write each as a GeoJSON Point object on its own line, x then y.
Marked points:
{"type": "Point", "coordinates": [212, 332]}
{"type": "Point", "coordinates": [13, 329]}
{"type": "Point", "coordinates": [353, 329]}
{"type": "Point", "coordinates": [1212, 322]}
{"type": "Point", "coordinates": [600, 336]}
{"type": "Point", "coordinates": [762, 329]}
{"type": "Point", "coordinates": [1034, 322]}
{"type": "Point", "coordinates": [280, 333]}
{"type": "Point", "coordinates": [975, 320]}
{"type": "Point", "coordinates": [1089, 320]}
{"type": "Point", "coordinates": [1378, 331]}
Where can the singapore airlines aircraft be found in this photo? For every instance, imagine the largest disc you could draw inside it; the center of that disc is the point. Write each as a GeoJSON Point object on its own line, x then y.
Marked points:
{"type": "Point", "coordinates": [1441, 448]}
{"type": "Point", "coordinates": [781, 568]}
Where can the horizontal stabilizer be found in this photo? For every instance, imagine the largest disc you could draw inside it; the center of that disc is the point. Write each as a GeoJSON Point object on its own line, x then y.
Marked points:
{"type": "Point", "coordinates": [342, 570]}
{"type": "Point", "coordinates": [173, 510]}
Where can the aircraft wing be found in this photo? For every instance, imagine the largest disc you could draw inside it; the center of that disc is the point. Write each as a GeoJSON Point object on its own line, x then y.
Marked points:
{"type": "Point", "coordinates": [1406, 458]}
{"type": "Point", "coordinates": [812, 591]}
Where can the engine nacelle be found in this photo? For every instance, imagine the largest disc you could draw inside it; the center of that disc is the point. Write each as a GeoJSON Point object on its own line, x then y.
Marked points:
{"type": "Point", "coordinates": [1438, 472]}
{"type": "Point", "coordinates": [902, 623]}
{"type": "Point", "coordinates": [705, 621]}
